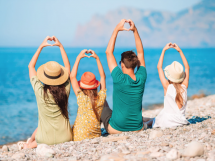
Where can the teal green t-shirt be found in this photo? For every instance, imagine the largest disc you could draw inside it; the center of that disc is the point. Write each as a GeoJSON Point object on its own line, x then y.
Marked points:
{"type": "Point", "coordinates": [127, 100]}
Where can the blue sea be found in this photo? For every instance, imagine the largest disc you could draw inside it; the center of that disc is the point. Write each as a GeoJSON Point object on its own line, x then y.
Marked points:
{"type": "Point", "coordinates": [18, 107]}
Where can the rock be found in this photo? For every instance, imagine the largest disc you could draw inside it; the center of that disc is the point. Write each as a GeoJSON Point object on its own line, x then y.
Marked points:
{"type": "Point", "coordinates": [143, 152]}
{"type": "Point", "coordinates": [172, 155]}
{"type": "Point", "coordinates": [72, 159]}
{"type": "Point", "coordinates": [164, 144]}
{"type": "Point", "coordinates": [193, 149]}
{"type": "Point", "coordinates": [115, 139]}
{"type": "Point", "coordinates": [156, 154]}
{"type": "Point", "coordinates": [170, 145]}
{"type": "Point", "coordinates": [44, 151]}
{"type": "Point", "coordinates": [5, 148]}
{"type": "Point", "coordinates": [112, 157]}
{"type": "Point", "coordinates": [213, 132]}
{"type": "Point", "coordinates": [154, 149]}
{"type": "Point", "coordinates": [18, 156]}
{"type": "Point", "coordinates": [14, 148]}
{"type": "Point", "coordinates": [155, 134]}
{"type": "Point", "coordinates": [202, 136]}
{"type": "Point", "coordinates": [95, 141]}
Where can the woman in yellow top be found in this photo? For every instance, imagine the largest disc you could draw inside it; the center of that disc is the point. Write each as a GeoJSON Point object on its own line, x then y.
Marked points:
{"type": "Point", "coordinates": [90, 103]}
{"type": "Point", "coordinates": [52, 98]}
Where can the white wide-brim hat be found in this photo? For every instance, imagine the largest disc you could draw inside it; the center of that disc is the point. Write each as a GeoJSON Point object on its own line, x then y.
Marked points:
{"type": "Point", "coordinates": [175, 72]}
{"type": "Point", "coordinates": [52, 73]}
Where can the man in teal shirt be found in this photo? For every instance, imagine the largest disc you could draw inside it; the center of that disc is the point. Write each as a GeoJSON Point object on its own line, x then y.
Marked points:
{"type": "Point", "coordinates": [128, 87]}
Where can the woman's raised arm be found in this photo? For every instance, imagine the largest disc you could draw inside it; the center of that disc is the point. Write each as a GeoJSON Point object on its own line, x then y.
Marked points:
{"type": "Point", "coordinates": [63, 53]}
{"type": "Point", "coordinates": [31, 65]}
{"type": "Point", "coordinates": [186, 65]}
{"type": "Point", "coordinates": [74, 71]}
{"type": "Point", "coordinates": [100, 67]}
{"type": "Point", "coordinates": [163, 80]}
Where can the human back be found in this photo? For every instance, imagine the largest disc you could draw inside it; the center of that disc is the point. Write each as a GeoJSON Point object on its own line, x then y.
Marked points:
{"type": "Point", "coordinates": [51, 86]}
{"type": "Point", "coordinates": [128, 86]}
{"type": "Point", "coordinates": [53, 123]}
{"type": "Point", "coordinates": [127, 100]}
{"type": "Point", "coordinates": [175, 83]}
{"type": "Point", "coordinates": [90, 101]}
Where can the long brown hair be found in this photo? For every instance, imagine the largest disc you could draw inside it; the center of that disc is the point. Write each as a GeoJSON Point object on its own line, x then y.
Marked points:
{"type": "Point", "coordinates": [93, 95]}
{"type": "Point", "coordinates": [60, 97]}
{"type": "Point", "coordinates": [179, 91]}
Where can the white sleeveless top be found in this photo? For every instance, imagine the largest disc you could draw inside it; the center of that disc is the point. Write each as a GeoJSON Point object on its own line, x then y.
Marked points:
{"type": "Point", "coordinates": [171, 115]}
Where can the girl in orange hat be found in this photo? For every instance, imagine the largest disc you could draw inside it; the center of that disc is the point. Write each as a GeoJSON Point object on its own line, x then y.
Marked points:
{"type": "Point", "coordinates": [90, 101]}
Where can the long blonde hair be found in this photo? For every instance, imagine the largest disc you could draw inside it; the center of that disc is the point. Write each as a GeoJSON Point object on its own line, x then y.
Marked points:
{"type": "Point", "coordinates": [93, 95]}
{"type": "Point", "coordinates": [179, 93]}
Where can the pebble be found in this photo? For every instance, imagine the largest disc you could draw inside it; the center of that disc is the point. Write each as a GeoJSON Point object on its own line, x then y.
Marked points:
{"type": "Point", "coordinates": [154, 134]}
{"type": "Point", "coordinates": [172, 154]}
{"type": "Point", "coordinates": [18, 156]}
{"type": "Point", "coordinates": [44, 151]}
{"type": "Point", "coordinates": [194, 149]}
{"type": "Point", "coordinates": [156, 154]}
{"type": "Point", "coordinates": [5, 148]}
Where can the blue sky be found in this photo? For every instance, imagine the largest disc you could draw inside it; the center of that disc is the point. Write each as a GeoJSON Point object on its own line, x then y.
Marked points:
{"type": "Point", "coordinates": [28, 22]}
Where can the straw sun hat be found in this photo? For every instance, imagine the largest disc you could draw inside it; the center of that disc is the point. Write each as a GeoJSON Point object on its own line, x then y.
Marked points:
{"type": "Point", "coordinates": [52, 73]}
{"type": "Point", "coordinates": [88, 81]}
{"type": "Point", "coordinates": [175, 72]}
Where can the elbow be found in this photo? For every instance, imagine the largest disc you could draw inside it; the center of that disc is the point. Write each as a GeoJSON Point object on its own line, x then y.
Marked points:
{"type": "Point", "coordinates": [159, 67]}
{"type": "Point", "coordinates": [72, 77]}
{"type": "Point", "coordinates": [107, 52]}
{"type": "Point", "coordinates": [188, 67]}
{"type": "Point", "coordinates": [103, 76]}
{"type": "Point", "coordinates": [30, 66]}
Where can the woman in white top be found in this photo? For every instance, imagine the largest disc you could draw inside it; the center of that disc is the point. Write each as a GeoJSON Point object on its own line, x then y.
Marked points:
{"type": "Point", "coordinates": [175, 92]}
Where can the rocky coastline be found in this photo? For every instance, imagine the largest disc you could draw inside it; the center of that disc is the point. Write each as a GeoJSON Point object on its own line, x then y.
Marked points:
{"type": "Point", "coordinates": [194, 142]}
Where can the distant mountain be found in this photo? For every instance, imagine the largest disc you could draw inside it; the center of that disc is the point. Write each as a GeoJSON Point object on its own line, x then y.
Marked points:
{"type": "Point", "coordinates": [192, 27]}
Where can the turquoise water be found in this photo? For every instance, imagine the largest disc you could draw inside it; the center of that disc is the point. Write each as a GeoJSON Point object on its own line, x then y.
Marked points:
{"type": "Point", "coordinates": [18, 108]}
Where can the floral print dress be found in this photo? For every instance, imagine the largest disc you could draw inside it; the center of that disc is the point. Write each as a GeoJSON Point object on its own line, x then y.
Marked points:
{"type": "Point", "coordinates": [86, 125]}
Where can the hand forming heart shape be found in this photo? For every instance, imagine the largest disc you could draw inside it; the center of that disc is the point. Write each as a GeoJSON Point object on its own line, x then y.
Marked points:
{"type": "Point", "coordinates": [53, 38]}
{"type": "Point", "coordinates": [121, 27]}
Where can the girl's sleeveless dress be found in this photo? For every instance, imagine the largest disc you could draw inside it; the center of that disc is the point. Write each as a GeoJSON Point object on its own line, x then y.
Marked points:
{"type": "Point", "coordinates": [171, 115]}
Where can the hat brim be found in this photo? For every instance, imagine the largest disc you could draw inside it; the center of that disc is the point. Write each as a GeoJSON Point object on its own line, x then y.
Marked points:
{"type": "Point", "coordinates": [61, 80]}
{"type": "Point", "coordinates": [97, 84]}
{"type": "Point", "coordinates": [172, 79]}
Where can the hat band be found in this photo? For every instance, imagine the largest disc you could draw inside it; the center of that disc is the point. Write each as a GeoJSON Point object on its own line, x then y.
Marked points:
{"type": "Point", "coordinates": [52, 77]}
{"type": "Point", "coordinates": [87, 86]}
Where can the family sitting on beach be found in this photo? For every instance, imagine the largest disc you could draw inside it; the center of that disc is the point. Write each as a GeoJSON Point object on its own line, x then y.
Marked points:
{"type": "Point", "coordinates": [51, 84]}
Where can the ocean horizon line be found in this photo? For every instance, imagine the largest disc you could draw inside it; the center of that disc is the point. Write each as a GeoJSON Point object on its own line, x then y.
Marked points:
{"type": "Point", "coordinates": [120, 47]}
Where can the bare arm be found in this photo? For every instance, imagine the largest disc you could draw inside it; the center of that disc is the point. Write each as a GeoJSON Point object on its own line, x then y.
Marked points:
{"type": "Point", "coordinates": [63, 53]}
{"type": "Point", "coordinates": [111, 45]}
{"type": "Point", "coordinates": [163, 80]}
{"type": "Point", "coordinates": [101, 70]}
{"type": "Point", "coordinates": [74, 71]}
{"type": "Point", "coordinates": [32, 64]}
{"type": "Point", "coordinates": [186, 65]}
{"type": "Point", "coordinates": [138, 42]}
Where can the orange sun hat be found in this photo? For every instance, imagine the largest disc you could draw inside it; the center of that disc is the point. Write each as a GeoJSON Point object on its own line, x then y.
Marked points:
{"type": "Point", "coordinates": [88, 81]}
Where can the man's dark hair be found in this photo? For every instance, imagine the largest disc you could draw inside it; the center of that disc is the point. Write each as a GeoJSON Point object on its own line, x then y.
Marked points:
{"type": "Point", "coordinates": [130, 59]}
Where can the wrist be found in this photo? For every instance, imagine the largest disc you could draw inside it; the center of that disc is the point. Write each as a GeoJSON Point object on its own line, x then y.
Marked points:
{"type": "Point", "coordinates": [41, 47]}
{"type": "Point", "coordinates": [78, 57]}
{"type": "Point", "coordinates": [116, 30]}
{"type": "Point", "coordinates": [135, 30]}
{"type": "Point", "coordinates": [60, 46]}
{"type": "Point", "coordinates": [179, 50]}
